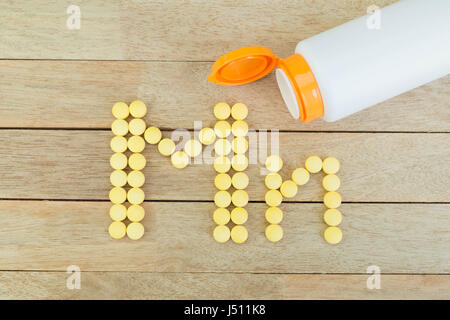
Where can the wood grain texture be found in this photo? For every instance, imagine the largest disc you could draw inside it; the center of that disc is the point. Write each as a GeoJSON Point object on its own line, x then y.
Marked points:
{"type": "Point", "coordinates": [399, 238]}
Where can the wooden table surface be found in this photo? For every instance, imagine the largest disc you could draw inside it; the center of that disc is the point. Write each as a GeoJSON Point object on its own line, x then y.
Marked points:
{"type": "Point", "coordinates": [57, 87]}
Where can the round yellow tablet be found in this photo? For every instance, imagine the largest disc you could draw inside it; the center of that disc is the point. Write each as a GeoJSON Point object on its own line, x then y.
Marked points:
{"type": "Point", "coordinates": [239, 111]}
{"type": "Point", "coordinates": [274, 215]}
{"type": "Point", "coordinates": [222, 129]}
{"type": "Point", "coordinates": [239, 145]}
{"type": "Point", "coordinates": [118, 212]}
{"type": "Point", "coordinates": [118, 178]}
{"type": "Point", "coordinates": [288, 189]}
{"type": "Point", "coordinates": [273, 180]}
{"type": "Point", "coordinates": [273, 198]}
{"type": "Point", "coordinates": [152, 135]}
{"type": "Point", "coordinates": [274, 232]}
{"type": "Point", "coordinates": [332, 217]}
{"type": "Point", "coordinates": [313, 164]}
{"type": "Point", "coordinates": [119, 127]}
{"type": "Point", "coordinates": [135, 196]}
{"type": "Point", "coordinates": [137, 161]}
{"type": "Point", "coordinates": [221, 233]}
{"type": "Point", "coordinates": [240, 180]}
{"type": "Point", "coordinates": [117, 230]}
{"type": "Point", "coordinates": [118, 144]}
{"type": "Point", "coordinates": [300, 176]}
{"type": "Point", "coordinates": [239, 162]}
{"type": "Point", "coordinates": [222, 147]}
{"type": "Point", "coordinates": [331, 165]}
{"type": "Point", "coordinates": [239, 198]}
{"type": "Point", "coordinates": [332, 199]}
{"type": "Point", "coordinates": [239, 215]}
{"type": "Point", "coordinates": [117, 195]}
{"type": "Point", "coordinates": [222, 164]}
{"type": "Point", "coordinates": [179, 159]}
{"type": "Point", "coordinates": [135, 230]}
{"type": "Point", "coordinates": [274, 163]}
{"type": "Point", "coordinates": [135, 213]}
{"type": "Point", "coordinates": [239, 234]}
{"type": "Point", "coordinates": [118, 161]}
{"type": "Point", "coordinates": [222, 181]}
{"type": "Point", "coordinates": [120, 110]}
{"type": "Point", "coordinates": [138, 109]}
{"type": "Point", "coordinates": [222, 111]}
{"type": "Point", "coordinates": [207, 136]}
{"type": "Point", "coordinates": [166, 147]}
{"type": "Point", "coordinates": [193, 148]}
{"type": "Point", "coordinates": [137, 127]}
{"type": "Point", "coordinates": [239, 128]}
{"type": "Point", "coordinates": [221, 216]}
{"type": "Point", "coordinates": [332, 235]}
{"type": "Point", "coordinates": [331, 182]}
{"type": "Point", "coordinates": [136, 179]}
{"type": "Point", "coordinates": [136, 144]}
{"type": "Point", "coordinates": [222, 199]}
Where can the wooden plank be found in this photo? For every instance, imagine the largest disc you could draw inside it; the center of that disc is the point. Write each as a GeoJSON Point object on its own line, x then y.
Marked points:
{"type": "Point", "coordinates": [399, 238]}
{"type": "Point", "coordinates": [71, 164]}
{"type": "Point", "coordinates": [80, 94]}
{"type": "Point", "coordinates": [137, 285]}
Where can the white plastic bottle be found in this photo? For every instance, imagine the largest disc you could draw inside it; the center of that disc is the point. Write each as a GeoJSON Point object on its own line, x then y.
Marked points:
{"type": "Point", "coordinates": [355, 65]}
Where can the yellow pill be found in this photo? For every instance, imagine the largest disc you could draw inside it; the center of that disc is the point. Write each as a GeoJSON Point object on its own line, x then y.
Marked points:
{"type": "Point", "coordinates": [222, 111]}
{"type": "Point", "coordinates": [135, 230]}
{"type": "Point", "coordinates": [193, 148]}
{"type": "Point", "coordinates": [137, 161]}
{"type": "Point", "coordinates": [239, 215]}
{"type": "Point", "coordinates": [239, 198]}
{"type": "Point", "coordinates": [118, 161]}
{"type": "Point", "coordinates": [120, 110]}
{"type": "Point", "coordinates": [138, 109]}
{"type": "Point", "coordinates": [221, 216]}
{"type": "Point", "coordinates": [332, 235]}
{"type": "Point", "coordinates": [179, 159]}
{"type": "Point", "coordinates": [274, 215]}
{"type": "Point", "coordinates": [239, 128]}
{"type": "Point", "coordinates": [239, 162]}
{"type": "Point", "coordinates": [332, 217]}
{"type": "Point", "coordinates": [240, 145]}
{"type": "Point", "coordinates": [136, 144]}
{"type": "Point", "coordinates": [313, 164]}
{"type": "Point", "coordinates": [117, 195]}
{"type": "Point", "coordinates": [166, 147]}
{"type": "Point", "coordinates": [118, 212]}
{"type": "Point", "coordinates": [118, 178]}
{"type": "Point", "coordinates": [331, 165]}
{"type": "Point", "coordinates": [152, 135]}
{"type": "Point", "coordinates": [239, 234]}
{"type": "Point", "coordinates": [274, 232]}
{"type": "Point", "coordinates": [135, 213]}
{"type": "Point", "coordinates": [136, 179]}
{"type": "Point", "coordinates": [274, 163]}
{"type": "Point", "coordinates": [222, 199]}
{"type": "Point", "coordinates": [207, 136]}
{"type": "Point", "coordinates": [222, 164]}
{"type": "Point", "coordinates": [300, 176]}
{"type": "Point", "coordinates": [332, 200]}
{"type": "Point", "coordinates": [273, 180]}
{"type": "Point", "coordinates": [119, 127]}
{"type": "Point", "coordinates": [239, 111]}
{"type": "Point", "coordinates": [331, 182]}
{"type": "Point", "coordinates": [240, 180]}
{"type": "Point", "coordinates": [117, 230]}
{"type": "Point", "coordinates": [137, 127]}
{"type": "Point", "coordinates": [273, 198]}
{"type": "Point", "coordinates": [135, 196]}
{"type": "Point", "coordinates": [222, 181]}
{"type": "Point", "coordinates": [222, 129]}
{"type": "Point", "coordinates": [222, 147]}
{"type": "Point", "coordinates": [118, 144]}
{"type": "Point", "coordinates": [221, 234]}
{"type": "Point", "coordinates": [288, 189]}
